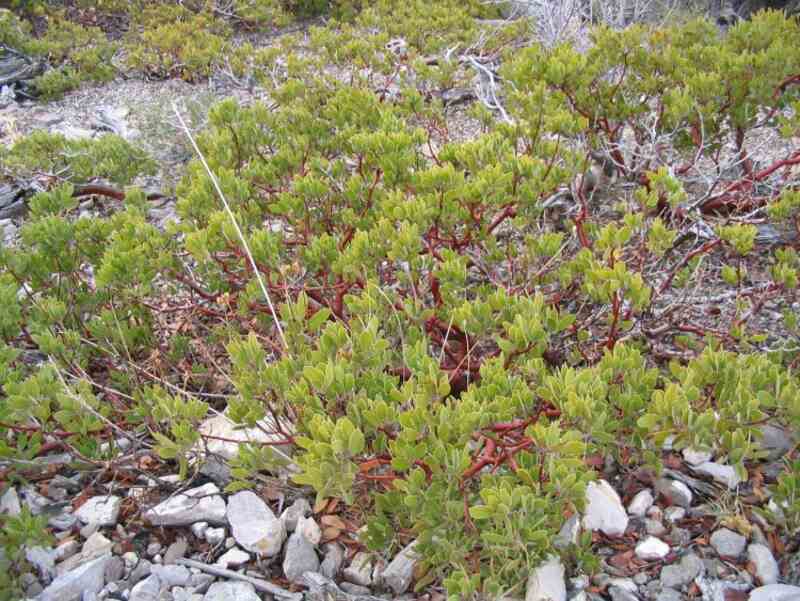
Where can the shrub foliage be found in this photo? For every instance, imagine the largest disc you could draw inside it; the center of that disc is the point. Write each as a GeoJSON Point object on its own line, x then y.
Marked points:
{"type": "Point", "coordinates": [450, 350]}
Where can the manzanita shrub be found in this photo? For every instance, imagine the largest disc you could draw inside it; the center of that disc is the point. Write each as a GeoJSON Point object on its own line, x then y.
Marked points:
{"type": "Point", "coordinates": [449, 353]}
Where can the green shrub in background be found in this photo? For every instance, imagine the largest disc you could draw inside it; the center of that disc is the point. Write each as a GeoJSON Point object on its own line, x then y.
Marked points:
{"type": "Point", "coordinates": [447, 356]}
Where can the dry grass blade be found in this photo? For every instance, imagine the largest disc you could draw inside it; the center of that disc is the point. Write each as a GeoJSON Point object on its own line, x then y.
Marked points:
{"type": "Point", "coordinates": [235, 225]}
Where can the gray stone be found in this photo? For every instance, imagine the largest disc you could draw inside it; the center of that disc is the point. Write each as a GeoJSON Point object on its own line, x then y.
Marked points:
{"type": "Point", "coordinates": [140, 572]}
{"type": "Point", "coordinates": [115, 570]}
{"type": "Point", "coordinates": [34, 589]}
{"type": "Point", "coordinates": [641, 503]}
{"type": "Point", "coordinates": [254, 526]}
{"type": "Point", "coordinates": [233, 558]}
{"type": "Point", "coordinates": [679, 537]}
{"type": "Point", "coordinates": [728, 543]}
{"type": "Point", "coordinates": [95, 546]}
{"type": "Point", "coordinates": [624, 583]}
{"type": "Point", "coordinates": [300, 558]}
{"type": "Point", "coordinates": [775, 592]}
{"type": "Point", "coordinates": [332, 562]}
{"type": "Point", "coordinates": [48, 119]}
{"type": "Point", "coordinates": [299, 509]}
{"type": "Point", "coordinates": [676, 493]}
{"type": "Point", "coordinates": [722, 474]}
{"type": "Point", "coordinates": [201, 504]}
{"type": "Point", "coordinates": [63, 521]}
{"type": "Point", "coordinates": [176, 550]}
{"type": "Point", "coordinates": [231, 591]}
{"type": "Point", "coordinates": [71, 585]}
{"type": "Point", "coordinates": [604, 510]}
{"type": "Point", "coordinates": [148, 589]}
{"type": "Point", "coordinates": [201, 582]}
{"type": "Point", "coordinates": [400, 571]}
{"type": "Point", "coordinates": [44, 560]}
{"type": "Point", "coordinates": [775, 441]}
{"type": "Point", "coordinates": [546, 582]}
{"type": "Point", "coordinates": [9, 502]}
{"type": "Point", "coordinates": [669, 594]}
{"type": "Point", "coordinates": [172, 575]}
{"type": "Point", "coordinates": [360, 570]}
{"type": "Point", "coordinates": [716, 590]}
{"type": "Point", "coordinates": [354, 589]}
{"type": "Point", "coordinates": [569, 533]}
{"type": "Point", "coordinates": [679, 575]}
{"type": "Point", "coordinates": [73, 133]}
{"type": "Point", "coordinates": [102, 511]}
{"type": "Point", "coordinates": [652, 549]}
{"type": "Point", "coordinates": [654, 527]}
{"type": "Point", "coordinates": [767, 570]}
{"type": "Point", "coordinates": [36, 503]}
{"type": "Point", "coordinates": [620, 594]}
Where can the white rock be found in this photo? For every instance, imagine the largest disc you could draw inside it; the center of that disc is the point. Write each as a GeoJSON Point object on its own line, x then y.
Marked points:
{"type": "Point", "coordinates": [72, 585]}
{"type": "Point", "coordinates": [254, 526]}
{"type": "Point", "coordinates": [95, 546]}
{"type": "Point", "coordinates": [604, 510]}
{"type": "Point", "coordinates": [310, 530]}
{"type": "Point", "coordinates": [696, 456]}
{"type": "Point", "coordinates": [172, 575]}
{"type": "Point", "coordinates": [9, 502]}
{"type": "Point", "coordinates": [652, 549]}
{"type": "Point", "coordinates": [215, 536]}
{"type": "Point", "coordinates": [360, 570]}
{"type": "Point", "coordinates": [677, 493]}
{"type": "Point", "coordinates": [201, 504]}
{"type": "Point", "coordinates": [67, 549]}
{"type": "Point", "coordinates": [400, 571]}
{"type": "Point", "coordinates": [674, 514]}
{"type": "Point", "coordinates": [767, 569]}
{"type": "Point", "coordinates": [231, 591]}
{"type": "Point", "coordinates": [640, 503]}
{"type": "Point", "coordinates": [224, 437]}
{"type": "Point", "coordinates": [102, 511]}
{"type": "Point", "coordinates": [233, 558]}
{"type": "Point", "coordinates": [199, 529]}
{"type": "Point", "coordinates": [724, 474]}
{"type": "Point", "coordinates": [546, 583]}
{"type": "Point", "coordinates": [775, 592]}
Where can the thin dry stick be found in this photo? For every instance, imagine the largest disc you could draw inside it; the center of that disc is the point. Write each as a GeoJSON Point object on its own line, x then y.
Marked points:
{"type": "Point", "coordinates": [235, 225]}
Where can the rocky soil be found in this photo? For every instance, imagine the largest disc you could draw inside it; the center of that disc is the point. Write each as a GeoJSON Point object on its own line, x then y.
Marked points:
{"type": "Point", "coordinates": [681, 535]}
